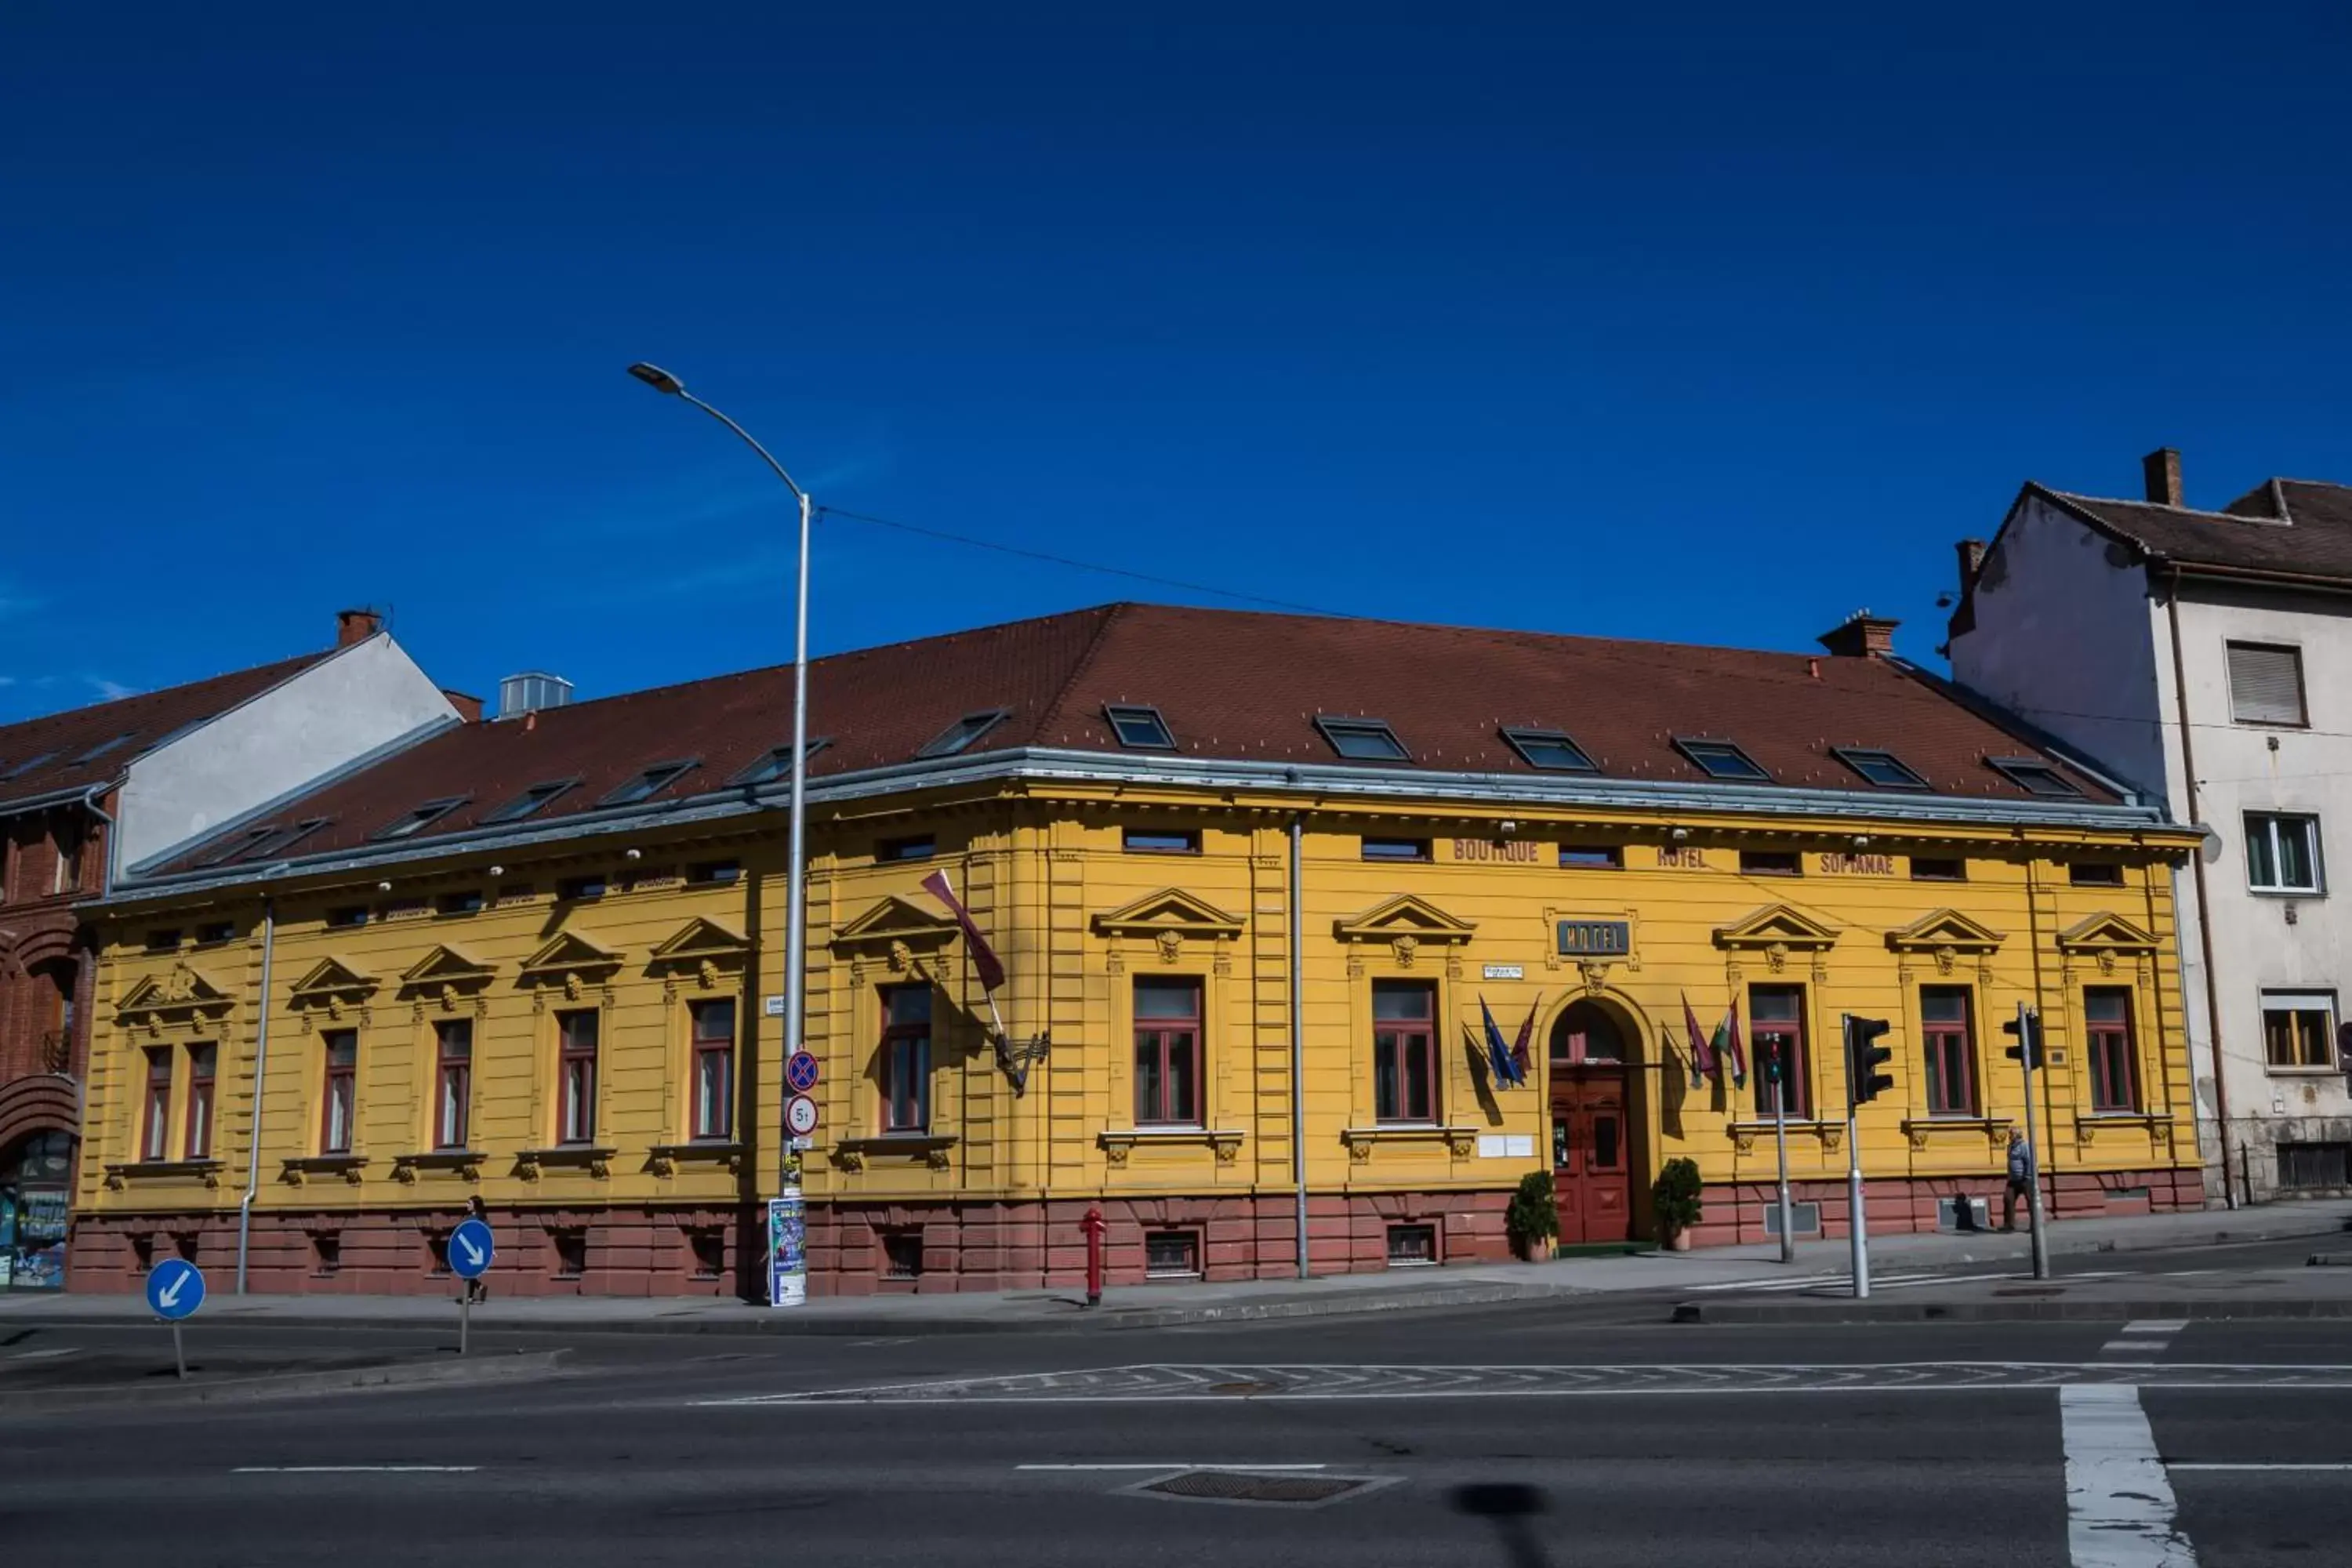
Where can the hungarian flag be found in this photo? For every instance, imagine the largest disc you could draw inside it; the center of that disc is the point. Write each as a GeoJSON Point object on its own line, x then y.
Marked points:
{"type": "Point", "coordinates": [1498, 1056]}
{"type": "Point", "coordinates": [1727, 1049]}
{"type": "Point", "coordinates": [984, 962]}
{"type": "Point", "coordinates": [1702, 1055]}
{"type": "Point", "coordinates": [1527, 1037]}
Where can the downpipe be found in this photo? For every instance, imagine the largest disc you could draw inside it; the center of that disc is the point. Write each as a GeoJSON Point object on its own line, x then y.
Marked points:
{"type": "Point", "coordinates": [261, 1076]}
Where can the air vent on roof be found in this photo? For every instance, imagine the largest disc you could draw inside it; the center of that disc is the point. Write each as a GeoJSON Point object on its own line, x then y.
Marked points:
{"type": "Point", "coordinates": [531, 692]}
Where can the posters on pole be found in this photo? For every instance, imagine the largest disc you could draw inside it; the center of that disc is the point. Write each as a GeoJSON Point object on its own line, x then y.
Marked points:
{"type": "Point", "coordinates": [787, 1259]}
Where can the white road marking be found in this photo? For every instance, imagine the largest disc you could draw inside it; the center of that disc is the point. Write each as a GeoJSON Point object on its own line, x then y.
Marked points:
{"type": "Point", "coordinates": [1180, 1466]}
{"type": "Point", "coordinates": [2156, 1325]}
{"type": "Point", "coordinates": [2185, 1465]}
{"type": "Point", "coordinates": [355, 1469]}
{"type": "Point", "coordinates": [2119, 1505]}
{"type": "Point", "coordinates": [2142, 1340]}
{"type": "Point", "coordinates": [43, 1355]}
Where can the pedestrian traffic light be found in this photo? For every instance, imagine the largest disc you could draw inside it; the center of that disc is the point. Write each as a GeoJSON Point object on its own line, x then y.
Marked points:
{"type": "Point", "coordinates": [1768, 1060]}
{"type": "Point", "coordinates": [2032, 1021]}
{"type": "Point", "coordinates": [1863, 1056]}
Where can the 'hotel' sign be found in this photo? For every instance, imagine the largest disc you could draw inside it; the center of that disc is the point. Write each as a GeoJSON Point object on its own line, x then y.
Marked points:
{"type": "Point", "coordinates": [1596, 939]}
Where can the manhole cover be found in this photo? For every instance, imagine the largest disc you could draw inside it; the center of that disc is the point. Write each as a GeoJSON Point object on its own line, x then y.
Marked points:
{"type": "Point", "coordinates": [1234, 1486]}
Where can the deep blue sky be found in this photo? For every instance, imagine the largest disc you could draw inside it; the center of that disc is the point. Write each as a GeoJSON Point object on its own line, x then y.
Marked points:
{"type": "Point", "coordinates": [1697, 326]}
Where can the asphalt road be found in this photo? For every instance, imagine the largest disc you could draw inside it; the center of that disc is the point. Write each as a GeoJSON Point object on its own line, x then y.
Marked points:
{"type": "Point", "coordinates": [1878, 1445]}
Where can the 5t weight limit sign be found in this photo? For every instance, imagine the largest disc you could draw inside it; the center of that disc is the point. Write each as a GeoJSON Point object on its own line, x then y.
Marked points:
{"type": "Point", "coordinates": [800, 1116]}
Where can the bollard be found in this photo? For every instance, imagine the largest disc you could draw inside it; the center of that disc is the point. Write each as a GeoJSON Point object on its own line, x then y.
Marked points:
{"type": "Point", "coordinates": [1093, 1226]}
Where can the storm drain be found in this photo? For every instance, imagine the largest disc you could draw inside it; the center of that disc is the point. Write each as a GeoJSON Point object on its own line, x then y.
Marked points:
{"type": "Point", "coordinates": [1239, 1486]}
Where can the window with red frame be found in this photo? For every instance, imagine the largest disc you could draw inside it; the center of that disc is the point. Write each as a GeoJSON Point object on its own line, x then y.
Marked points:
{"type": "Point", "coordinates": [342, 1058]}
{"type": "Point", "coordinates": [1776, 1021]}
{"type": "Point", "coordinates": [200, 1062]}
{"type": "Point", "coordinates": [1949, 1036]}
{"type": "Point", "coordinates": [2114, 1075]}
{"type": "Point", "coordinates": [453, 1089]}
{"type": "Point", "coordinates": [714, 1069]}
{"type": "Point", "coordinates": [576, 1075]}
{"type": "Point", "coordinates": [1404, 1050]}
{"type": "Point", "coordinates": [156, 1145]}
{"type": "Point", "coordinates": [906, 1059]}
{"type": "Point", "coordinates": [1167, 1052]}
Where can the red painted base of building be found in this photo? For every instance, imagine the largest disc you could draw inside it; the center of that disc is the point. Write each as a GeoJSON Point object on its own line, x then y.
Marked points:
{"type": "Point", "coordinates": [863, 1249]}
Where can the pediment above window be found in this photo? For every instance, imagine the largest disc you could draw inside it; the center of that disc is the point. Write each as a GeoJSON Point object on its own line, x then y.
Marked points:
{"type": "Point", "coordinates": [1945, 930]}
{"type": "Point", "coordinates": [444, 967]}
{"type": "Point", "coordinates": [180, 995]}
{"type": "Point", "coordinates": [1406, 915]}
{"type": "Point", "coordinates": [699, 939]}
{"type": "Point", "coordinates": [2105, 932]}
{"type": "Point", "coordinates": [569, 953]}
{"type": "Point", "coordinates": [894, 920]}
{"type": "Point", "coordinates": [1170, 910]}
{"type": "Point", "coordinates": [1779, 926]}
{"type": "Point", "coordinates": [331, 981]}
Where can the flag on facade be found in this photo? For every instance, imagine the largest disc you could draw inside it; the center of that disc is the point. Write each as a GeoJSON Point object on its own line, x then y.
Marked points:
{"type": "Point", "coordinates": [1702, 1057]}
{"type": "Point", "coordinates": [984, 962]}
{"type": "Point", "coordinates": [1728, 1050]}
{"type": "Point", "coordinates": [1498, 1056]}
{"type": "Point", "coordinates": [1519, 1060]}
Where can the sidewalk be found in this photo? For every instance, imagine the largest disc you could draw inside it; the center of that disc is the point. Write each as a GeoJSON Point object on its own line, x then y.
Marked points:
{"type": "Point", "coordinates": [1594, 1280]}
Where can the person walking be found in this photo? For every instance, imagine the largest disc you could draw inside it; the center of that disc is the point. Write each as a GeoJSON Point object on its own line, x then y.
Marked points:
{"type": "Point", "coordinates": [2021, 1181]}
{"type": "Point", "coordinates": [477, 1289]}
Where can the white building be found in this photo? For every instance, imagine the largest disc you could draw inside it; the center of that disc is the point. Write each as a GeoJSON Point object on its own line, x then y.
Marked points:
{"type": "Point", "coordinates": [2205, 657]}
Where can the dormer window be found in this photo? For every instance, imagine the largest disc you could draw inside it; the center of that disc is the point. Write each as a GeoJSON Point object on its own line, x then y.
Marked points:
{"type": "Point", "coordinates": [651, 782]}
{"type": "Point", "coordinates": [420, 819]}
{"type": "Point", "coordinates": [960, 734]}
{"type": "Point", "coordinates": [1363, 739]}
{"type": "Point", "coordinates": [1723, 759]}
{"type": "Point", "coordinates": [2034, 776]}
{"type": "Point", "coordinates": [1550, 751]}
{"type": "Point", "coordinates": [778, 763]}
{"type": "Point", "coordinates": [1884, 769]}
{"type": "Point", "coordinates": [1139, 727]}
{"type": "Point", "coordinates": [530, 801]}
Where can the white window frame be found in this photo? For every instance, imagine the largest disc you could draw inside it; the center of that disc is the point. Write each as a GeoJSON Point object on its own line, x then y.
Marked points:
{"type": "Point", "coordinates": [2300, 1002]}
{"type": "Point", "coordinates": [2270, 821]}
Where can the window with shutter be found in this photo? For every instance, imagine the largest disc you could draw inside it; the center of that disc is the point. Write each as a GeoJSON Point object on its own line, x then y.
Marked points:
{"type": "Point", "coordinates": [2266, 684]}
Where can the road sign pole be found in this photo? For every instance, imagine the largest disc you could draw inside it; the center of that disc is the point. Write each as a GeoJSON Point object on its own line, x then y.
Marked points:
{"type": "Point", "coordinates": [2027, 1036]}
{"type": "Point", "coordinates": [1857, 1219]}
{"type": "Point", "coordinates": [179, 1351]}
{"type": "Point", "coordinates": [1781, 1139]}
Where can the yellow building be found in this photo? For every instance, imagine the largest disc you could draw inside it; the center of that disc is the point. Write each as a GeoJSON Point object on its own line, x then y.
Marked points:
{"type": "Point", "coordinates": [538, 960]}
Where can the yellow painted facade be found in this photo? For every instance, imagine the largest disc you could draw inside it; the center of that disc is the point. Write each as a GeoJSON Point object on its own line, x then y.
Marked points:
{"type": "Point", "coordinates": [1078, 916]}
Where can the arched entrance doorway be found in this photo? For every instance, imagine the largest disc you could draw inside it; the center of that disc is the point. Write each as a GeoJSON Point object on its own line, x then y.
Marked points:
{"type": "Point", "coordinates": [1592, 1125]}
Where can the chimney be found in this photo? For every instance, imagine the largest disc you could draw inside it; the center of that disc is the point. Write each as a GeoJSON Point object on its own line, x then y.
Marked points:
{"type": "Point", "coordinates": [1862, 635]}
{"type": "Point", "coordinates": [2160, 474]}
{"type": "Point", "coordinates": [356, 626]}
{"type": "Point", "coordinates": [1972, 554]}
{"type": "Point", "coordinates": [469, 707]}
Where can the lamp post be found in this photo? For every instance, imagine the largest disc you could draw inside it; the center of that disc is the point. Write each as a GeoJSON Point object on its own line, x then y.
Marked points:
{"type": "Point", "coordinates": [796, 897]}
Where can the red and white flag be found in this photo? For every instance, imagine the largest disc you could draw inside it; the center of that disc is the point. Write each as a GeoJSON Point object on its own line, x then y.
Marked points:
{"type": "Point", "coordinates": [984, 962]}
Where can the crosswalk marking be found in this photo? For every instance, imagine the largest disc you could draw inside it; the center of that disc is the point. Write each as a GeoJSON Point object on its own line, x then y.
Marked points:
{"type": "Point", "coordinates": [2119, 1506]}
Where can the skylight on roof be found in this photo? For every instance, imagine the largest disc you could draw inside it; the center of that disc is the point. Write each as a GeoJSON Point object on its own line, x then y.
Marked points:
{"type": "Point", "coordinates": [420, 817]}
{"type": "Point", "coordinates": [239, 844]}
{"type": "Point", "coordinates": [1363, 739]}
{"type": "Point", "coordinates": [27, 765]}
{"type": "Point", "coordinates": [1549, 750]}
{"type": "Point", "coordinates": [651, 782]}
{"type": "Point", "coordinates": [528, 801]}
{"type": "Point", "coordinates": [2034, 776]}
{"type": "Point", "coordinates": [1723, 759]}
{"type": "Point", "coordinates": [1140, 725]}
{"type": "Point", "coordinates": [777, 763]}
{"type": "Point", "coordinates": [102, 748]}
{"type": "Point", "coordinates": [1884, 769]}
{"type": "Point", "coordinates": [963, 732]}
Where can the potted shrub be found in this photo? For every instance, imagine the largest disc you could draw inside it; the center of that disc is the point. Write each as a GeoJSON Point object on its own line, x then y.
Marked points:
{"type": "Point", "coordinates": [1674, 1198]}
{"type": "Point", "coordinates": [1533, 1218]}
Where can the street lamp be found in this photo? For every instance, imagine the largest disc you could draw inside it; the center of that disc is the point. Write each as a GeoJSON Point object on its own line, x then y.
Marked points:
{"type": "Point", "coordinates": [796, 898]}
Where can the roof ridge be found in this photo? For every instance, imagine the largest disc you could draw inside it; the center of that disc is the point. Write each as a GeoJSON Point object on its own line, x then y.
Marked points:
{"type": "Point", "coordinates": [2200, 513]}
{"type": "Point", "coordinates": [1111, 615]}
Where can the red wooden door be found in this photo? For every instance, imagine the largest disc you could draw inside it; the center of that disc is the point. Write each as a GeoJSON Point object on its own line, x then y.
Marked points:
{"type": "Point", "coordinates": [1590, 1178]}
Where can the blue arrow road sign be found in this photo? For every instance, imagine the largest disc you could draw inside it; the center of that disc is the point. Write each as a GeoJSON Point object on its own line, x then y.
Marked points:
{"type": "Point", "coordinates": [176, 1289]}
{"type": "Point", "coordinates": [799, 1071]}
{"type": "Point", "coordinates": [471, 1249]}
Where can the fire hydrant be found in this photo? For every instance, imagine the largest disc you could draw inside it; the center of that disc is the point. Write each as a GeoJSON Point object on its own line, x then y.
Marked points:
{"type": "Point", "coordinates": [1094, 1225]}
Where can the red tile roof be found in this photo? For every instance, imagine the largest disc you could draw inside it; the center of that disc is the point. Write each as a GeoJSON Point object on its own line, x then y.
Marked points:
{"type": "Point", "coordinates": [1231, 684]}
{"type": "Point", "coordinates": [86, 746]}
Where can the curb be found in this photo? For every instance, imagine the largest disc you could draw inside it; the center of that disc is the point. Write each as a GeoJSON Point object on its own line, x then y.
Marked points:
{"type": "Point", "coordinates": [450, 1373]}
{"type": "Point", "coordinates": [1795, 1313]}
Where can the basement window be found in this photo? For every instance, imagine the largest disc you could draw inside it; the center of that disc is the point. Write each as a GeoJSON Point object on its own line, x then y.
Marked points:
{"type": "Point", "coordinates": [2034, 776]}
{"type": "Point", "coordinates": [529, 801]}
{"type": "Point", "coordinates": [902, 1254]}
{"type": "Point", "coordinates": [2315, 1166]}
{"type": "Point", "coordinates": [960, 734]}
{"type": "Point", "coordinates": [650, 783]}
{"type": "Point", "coordinates": [1363, 739]}
{"type": "Point", "coordinates": [327, 1254]}
{"type": "Point", "coordinates": [1884, 769]}
{"type": "Point", "coordinates": [1549, 750]}
{"type": "Point", "coordinates": [571, 1252]}
{"type": "Point", "coordinates": [1171, 1254]}
{"type": "Point", "coordinates": [420, 819]}
{"type": "Point", "coordinates": [708, 1247]}
{"type": "Point", "coordinates": [777, 763]}
{"type": "Point", "coordinates": [1139, 726]}
{"type": "Point", "coordinates": [1722, 760]}
{"type": "Point", "coordinates": [1413, 1245]}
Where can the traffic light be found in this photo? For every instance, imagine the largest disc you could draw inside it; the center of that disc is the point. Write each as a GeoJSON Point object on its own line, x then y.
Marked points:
{"type": "Point", "coordinates": [1768, 1060]}
{"type": "Point", "coordinates": [1863, 1056]}
{"type": "Point", "coordinates": [2033, 1041]}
